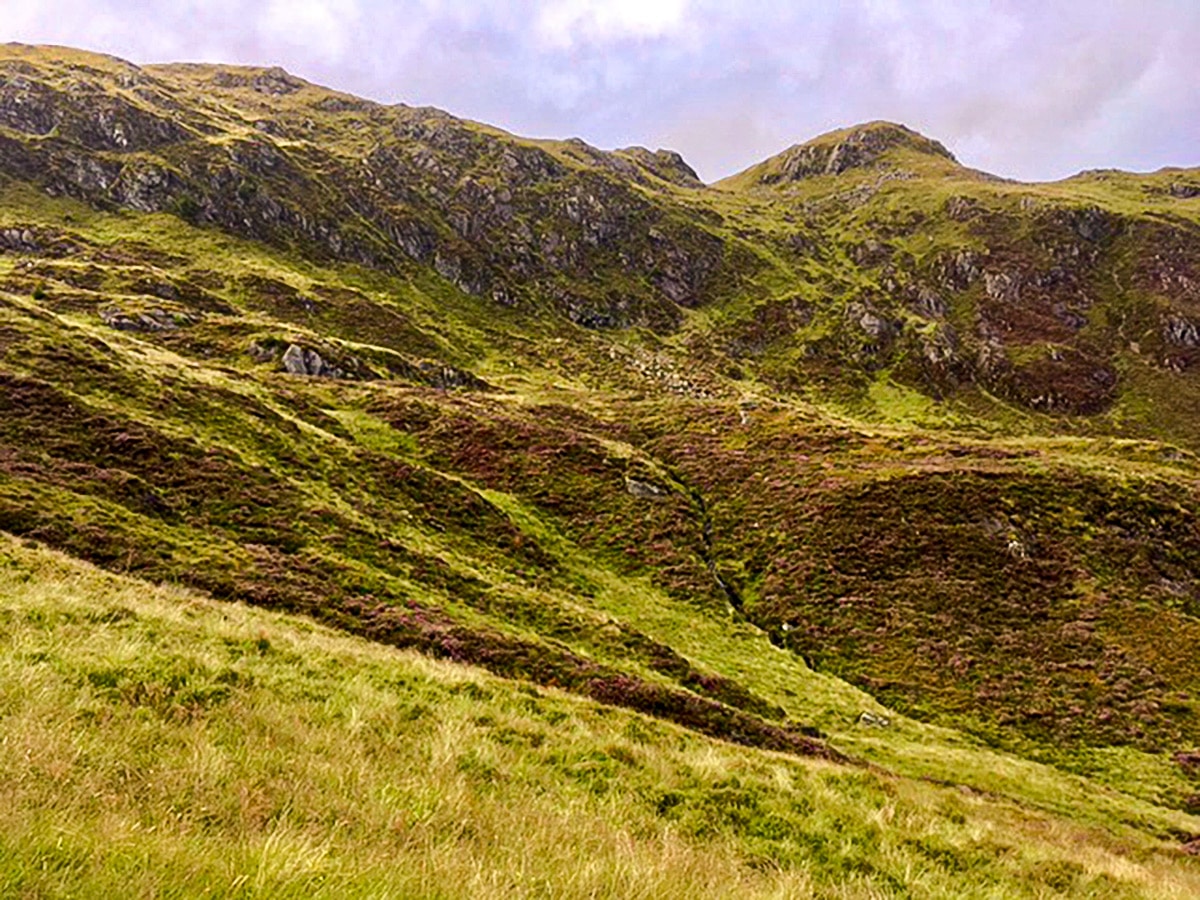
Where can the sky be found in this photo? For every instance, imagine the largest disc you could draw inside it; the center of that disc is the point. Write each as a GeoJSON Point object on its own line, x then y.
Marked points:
{"type": "Point", "coordinates": [1029, 89]}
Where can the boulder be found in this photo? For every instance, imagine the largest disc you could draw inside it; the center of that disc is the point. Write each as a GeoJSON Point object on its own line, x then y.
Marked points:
{"type": "Point", "coordinates": [645, 490]}
{"type": "Point", "coordinates": [299, 360]}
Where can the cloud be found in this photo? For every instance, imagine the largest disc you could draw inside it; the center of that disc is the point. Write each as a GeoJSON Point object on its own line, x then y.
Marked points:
{"type": "Point", "coordinates": [564, 23]}
{"type": "Point", "coordinates": [317, 26]}
{"type": "Point", "coordinates": [1024, 88]}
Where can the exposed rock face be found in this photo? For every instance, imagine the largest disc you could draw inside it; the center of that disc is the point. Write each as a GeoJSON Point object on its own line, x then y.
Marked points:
{"type": "Point", "coordinates": [858, 148]}
{"type": "Point", "coordinates": [149, 320]}
{"type": "Point", "coordinates": [962, 209]}
{"type": "Point", "coordinates": [1004, 287]}
{"type": "Point", "coordinates": [1010, 291]}
{"type": "Point", "coordinates": [874, 720]}
{"type": "Point", "coordinates": [665, 164]}
{"type": "Point", "coordinates": [497, 217]}
{"type": "Point", "coordinates": [873, 325]}
{"type": "Point", "coordinates": [297, 359]}
{"type": "Point", "coordinates": [446, 377]}
{"type": "Point", "coordinates": [274, 81]}
{"type": "Point", "coordinates": [959, 271]}
{"type": "Point", "coordinates": [87, 115]}
{"type": "Point", "coordinates": [1089, 222]}
{"type": "Point", "coordinates": [645, 490]}
{"type": "Point", "coordinates": [930, 304]}
{"type": "Point", "coordinates": [1181, 332]}
{"type": "Point", "coordinates": [19, 240]}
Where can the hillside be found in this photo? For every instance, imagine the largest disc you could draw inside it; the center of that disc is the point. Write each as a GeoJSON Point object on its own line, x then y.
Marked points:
{"type": "Point", "coordinates": [858, 462]}
{"type": "Point", "coordinates": [167, 744]}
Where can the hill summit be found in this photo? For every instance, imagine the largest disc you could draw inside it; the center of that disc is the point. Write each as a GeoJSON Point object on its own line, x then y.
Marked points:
{"type": "Point", "coordinates": [858, 147]}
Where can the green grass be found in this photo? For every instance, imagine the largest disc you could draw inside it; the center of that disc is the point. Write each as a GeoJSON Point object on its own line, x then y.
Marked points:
{"type": "Point", "coordinates": [159, 744]}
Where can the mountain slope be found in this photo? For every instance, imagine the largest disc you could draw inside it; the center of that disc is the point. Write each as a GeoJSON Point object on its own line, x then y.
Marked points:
{"type": "Point", "coordinates": [169, 744]}
{"type": "Point", "coordinates": [884, 436]}
{"type": "Point", "coordinates": [268, 156]}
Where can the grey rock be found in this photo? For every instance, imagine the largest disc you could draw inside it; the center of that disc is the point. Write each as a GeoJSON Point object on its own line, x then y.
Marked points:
{"type": "Point", "coordinates": [862, 147]}
{"type": "Point", "coordinates": [959, 271]}
{"type": "Point", "coordinates": [992, 359]}
{"type": "Point", "coordinates": [665, 164]}
{"type": "Point", "coordinates": [150, 320]}
{"type": "Point", "coordinates": [1093, 224]}
{"type": "Point", "coordinates": [1002, 286]}
{"type": "Point", "coordinates": [274, 81]}
{"type": "Point", "coordinates": [261, 353]}
{"type": "Point", "coordinates": [19, 240]}
{"type": "Point", "coordinates": [299, 360]}
{"type": "Point", "coordinates": [930, 304]}
{"type": "Point", "coordinates": [1071, 317]}
{"type": "Point", "coordinates": [874, 720]}
{"type": "Point", "coordinates": [145, 187]}
{"type": "Point", "coordinates": [940, 346]}
{"type": "Point", "coordinates": [447, 377]}
{"type": "Point", "coordinates": [873, 323]}
{"type": "Point", "coordinates": [1181, 332]}
{"type": "Point", "coordinates": [870, 253]}
{"type": "Point", "coordinates": [960, 209]}
{"type": "Point", "coordinates": [645, 490]}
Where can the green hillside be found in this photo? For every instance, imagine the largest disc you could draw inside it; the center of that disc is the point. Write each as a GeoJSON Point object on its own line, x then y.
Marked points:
{"type": "Point", "coordinates": [163, 744]}
{"type": "Point", "coordinates": [831, 529]}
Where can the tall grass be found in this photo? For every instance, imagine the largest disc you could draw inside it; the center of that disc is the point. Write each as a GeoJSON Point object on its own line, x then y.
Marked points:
{"type": "Point", "coordinates": [155, 744]}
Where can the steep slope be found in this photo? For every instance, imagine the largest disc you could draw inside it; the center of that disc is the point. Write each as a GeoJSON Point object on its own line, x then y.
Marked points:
{"type": "Point", "coordinates": [1074, 298]}
{"type": "Point", "coordinates": [265, 155]}
{"type": "Point", "coordinates": [859, 431]}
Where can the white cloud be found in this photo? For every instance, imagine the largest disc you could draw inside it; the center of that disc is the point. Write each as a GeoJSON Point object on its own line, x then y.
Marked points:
{"type": "Point", "coordinates": [564, 23]}
{"type": "Point", "coordinates": [324, 26]}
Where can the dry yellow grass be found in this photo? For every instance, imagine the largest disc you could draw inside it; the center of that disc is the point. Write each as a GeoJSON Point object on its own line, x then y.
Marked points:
{"type": "Point", "coordinates": [157, 744]}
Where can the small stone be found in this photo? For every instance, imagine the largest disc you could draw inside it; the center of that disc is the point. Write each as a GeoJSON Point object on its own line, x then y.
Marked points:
{"type": "Point", "coordinates": [873, 720]}
{"type": "Point", "coordinates": [645, 490]}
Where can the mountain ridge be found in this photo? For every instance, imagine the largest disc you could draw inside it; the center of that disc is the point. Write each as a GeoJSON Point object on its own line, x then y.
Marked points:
{"type": "Point", "coordinates": [278, 81]}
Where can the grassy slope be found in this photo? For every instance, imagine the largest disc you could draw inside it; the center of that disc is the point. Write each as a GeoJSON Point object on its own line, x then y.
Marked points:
{"type": "Point", "coordinates": [499, 527]}
{"type": "Point", "coordinates": [158, 743]}
{"type": "Point", "coordinates": [324, 468]}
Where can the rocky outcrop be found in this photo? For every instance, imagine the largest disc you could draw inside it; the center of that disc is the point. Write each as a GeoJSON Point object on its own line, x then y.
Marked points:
{"type": "Point", "coordinates": [19, 240]}
{"type": "Point", "coordinates": [1181, 332]}
{"type": "Point", "coordinates": [149, 320]}
{"type": "Point", "coordinates": [89, 115]}
{"type": "Point", "coordinates": [297, 360]}
{"type": "Point", "coordinates": [665, 164]}
{"type": "Point", "coordinates": [445, 377]}
{"type": "Point", "coordinates": [645, 490]}
{"type": "Point", "coordinates": [332, 362]}
{"type": "Point", "coordinates": [856, 148]}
